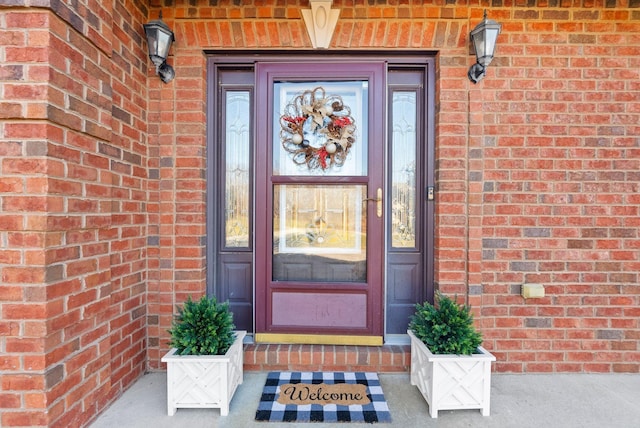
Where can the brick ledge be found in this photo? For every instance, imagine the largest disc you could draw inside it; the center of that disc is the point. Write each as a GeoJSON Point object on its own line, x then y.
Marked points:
{"type": "Point", "coordinates": [381, 359]}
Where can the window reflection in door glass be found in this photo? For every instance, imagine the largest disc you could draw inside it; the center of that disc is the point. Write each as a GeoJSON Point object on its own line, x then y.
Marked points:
{"type": "Point", "coordinates": [319, 233]}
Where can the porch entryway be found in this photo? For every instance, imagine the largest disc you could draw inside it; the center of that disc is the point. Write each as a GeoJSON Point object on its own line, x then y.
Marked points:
{"type": "Point", "coordinates": [321, 183]}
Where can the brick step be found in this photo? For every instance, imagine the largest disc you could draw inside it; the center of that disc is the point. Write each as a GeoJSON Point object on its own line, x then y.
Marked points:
{"type": "Point", "coordinates": [287, 357]}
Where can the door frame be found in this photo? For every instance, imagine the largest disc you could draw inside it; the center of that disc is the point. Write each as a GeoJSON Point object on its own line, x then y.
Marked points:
{"type": "Point", "coordinates": [234, 59]}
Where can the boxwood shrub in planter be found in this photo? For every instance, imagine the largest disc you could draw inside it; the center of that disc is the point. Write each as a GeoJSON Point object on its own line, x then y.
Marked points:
{"type": "Point", "coordinates": [205, 365]}
{"type": "Point", "coordinates": [448, 365]}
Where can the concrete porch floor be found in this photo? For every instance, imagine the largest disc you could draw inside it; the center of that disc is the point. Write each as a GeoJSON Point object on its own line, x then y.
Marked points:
{"type": "Point", "coordinates": [518, 401]}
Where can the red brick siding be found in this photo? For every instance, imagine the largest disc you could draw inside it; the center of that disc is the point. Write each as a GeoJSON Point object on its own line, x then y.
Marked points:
{"type": "Point", "coordinates": [128, 154]}
{"type": "Point", "coordinates": [177, 198]}
{"type": "Point", "coordinates": [557, 169]}
{"type": "Point", "coordinates": [24, 209]}
{"type": "Point", "coordinates": [73, 218]}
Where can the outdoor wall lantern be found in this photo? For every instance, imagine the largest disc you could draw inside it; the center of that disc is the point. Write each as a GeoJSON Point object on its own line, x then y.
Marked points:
{"type": "Point", "coordinates": [159, 39]}
{"type": "Point", "coordinates": [483, 38]}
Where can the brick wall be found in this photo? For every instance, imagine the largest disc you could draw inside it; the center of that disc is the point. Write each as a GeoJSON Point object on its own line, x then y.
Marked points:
{"type": "Point", "coordinates": [128, 154]}
{"type": "Point", "coordinates": [554, 175]}
{"type": "Point", "coordinates": [73, 223]}
{"type": "Point", "coordinates": [177, 145]}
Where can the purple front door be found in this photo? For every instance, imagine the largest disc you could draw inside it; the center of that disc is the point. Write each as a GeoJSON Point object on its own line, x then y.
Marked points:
{"type": "Point", "coordinates": [319, 207]}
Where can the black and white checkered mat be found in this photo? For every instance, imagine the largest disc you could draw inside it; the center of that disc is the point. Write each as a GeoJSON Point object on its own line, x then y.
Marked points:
{"type": "Point", "coordinates": [271, 411]}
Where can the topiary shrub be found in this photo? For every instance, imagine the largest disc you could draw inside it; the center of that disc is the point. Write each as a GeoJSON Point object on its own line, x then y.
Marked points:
{"type": "Point", "coordinates": [447, 328]}
{"type": "Point", "coordinates": [203, 328]}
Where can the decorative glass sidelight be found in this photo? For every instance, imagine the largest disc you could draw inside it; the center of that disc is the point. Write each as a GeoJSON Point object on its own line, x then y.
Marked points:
{"type": "Point", "coordinates": [403, 170]}
{"type": "Point", "coordinates": [319, 233]}
{"type": "Point", "coordinates": [329, 143]}
{"type": "Point", "coordinates": [237, 169]}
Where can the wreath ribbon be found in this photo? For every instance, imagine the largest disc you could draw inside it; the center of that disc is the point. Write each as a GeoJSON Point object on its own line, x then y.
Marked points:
{"type": "Point", "coordinates": [327, 118]}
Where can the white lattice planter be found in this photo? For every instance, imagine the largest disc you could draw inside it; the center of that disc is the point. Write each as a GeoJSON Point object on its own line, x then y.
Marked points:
{"type": "Point", "coordinates": [204, 381]}
{"type": "Point", "coordinates": [451, 382]}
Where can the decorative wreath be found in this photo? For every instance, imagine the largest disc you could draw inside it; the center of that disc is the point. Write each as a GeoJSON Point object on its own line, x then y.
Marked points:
{"type": "Point", "coordinates": [317, 129]}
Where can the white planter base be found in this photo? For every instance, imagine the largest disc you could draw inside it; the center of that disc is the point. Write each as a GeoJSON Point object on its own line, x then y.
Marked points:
{"type": "Point", "coordinates": [451, 382]}
{"type": "Point", "coordinates": [204, 381]}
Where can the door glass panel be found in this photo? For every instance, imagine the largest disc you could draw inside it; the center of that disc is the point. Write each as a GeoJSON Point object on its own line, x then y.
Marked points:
{"type": "Point", "coordinates": [237, 169]}
{"type": "Point", "coordinates": [320, 128]}
{"type": "Point", "coordinates": [403, 170]}
{"type": "Point", "coordinates": [319, 233]}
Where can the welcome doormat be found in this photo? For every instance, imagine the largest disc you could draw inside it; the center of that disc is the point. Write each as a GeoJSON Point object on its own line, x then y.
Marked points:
{"type": "Point", "coordinates": [323, 397]}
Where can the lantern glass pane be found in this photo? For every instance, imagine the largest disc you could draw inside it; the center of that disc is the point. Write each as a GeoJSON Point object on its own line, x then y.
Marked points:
{"type": "Point", "coordinates": [479, 44]}
{"type": "Point", "coordinates": [152, 41]}
{"type": "Point", "coordinates": [492, 35]}
{"type": "Point", "coordinates": [164, 43]}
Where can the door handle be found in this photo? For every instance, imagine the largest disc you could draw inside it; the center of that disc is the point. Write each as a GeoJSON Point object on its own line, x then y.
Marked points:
{"type": "Point", "coordinates": [378, 201]}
